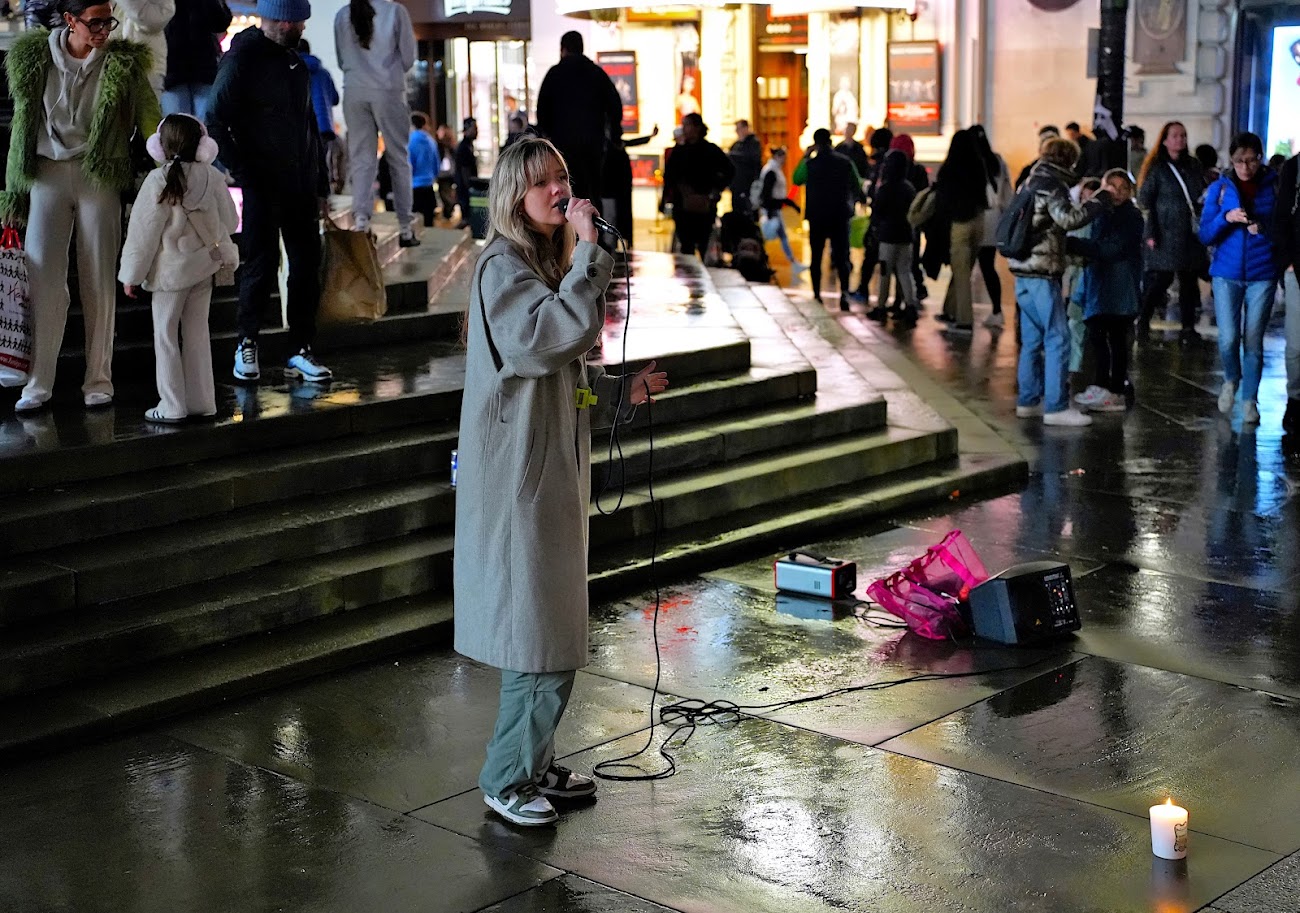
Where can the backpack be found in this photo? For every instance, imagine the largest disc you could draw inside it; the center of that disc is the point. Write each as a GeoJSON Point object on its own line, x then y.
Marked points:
{"type": "Point", "coordinates": [1014, 238]}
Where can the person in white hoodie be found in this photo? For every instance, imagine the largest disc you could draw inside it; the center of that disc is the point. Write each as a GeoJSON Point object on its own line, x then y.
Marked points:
{"type": "Point", "coordinates": [376, 46]}
{"type": "Point", "coordinates": [177, 240]}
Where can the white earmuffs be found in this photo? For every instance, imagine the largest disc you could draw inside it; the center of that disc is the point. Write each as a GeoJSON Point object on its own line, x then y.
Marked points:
{"type": "Point", "coordinates": [206, 155]}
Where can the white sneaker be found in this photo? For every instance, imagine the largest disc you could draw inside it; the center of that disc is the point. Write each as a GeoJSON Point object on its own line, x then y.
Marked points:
{"type": "Point", "coordinates": [246, 366]}
{"type": "Point", "coordinates": [1250, 413]}
{"type": "Point", "coordinates": [97, 400]}
{"type": "Point", "coordinates": [525, 806]}
{"type": "Point", "coordinates": [1094, 394]}
{"type": "Point", "coordinates": [1029, 411]}
{"type": "Point", "coordinates": [29, 404]}
{"type": "Point", "coordinates": [1227, 394]}
{"type": "Point", "coordinates": [562, 783]}
{"type": "Point", "coordinates": [1067, 418]}
{"type": "Point", "coordinates": [305, 365]}
{"type": "Point", "coordinates": [994, 322]}
{"type": "Point", "coordinates": [1111, 402]}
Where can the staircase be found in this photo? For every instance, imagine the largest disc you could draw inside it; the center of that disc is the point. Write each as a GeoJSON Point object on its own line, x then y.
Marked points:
{"type": "Point", "coordinates": [149, 573]}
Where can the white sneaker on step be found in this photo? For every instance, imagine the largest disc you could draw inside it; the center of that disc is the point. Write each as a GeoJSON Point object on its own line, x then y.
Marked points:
{"type": "Point", "coordinates": [524, 806]}
{"type": "Point", "coordinates": [1067, 418]}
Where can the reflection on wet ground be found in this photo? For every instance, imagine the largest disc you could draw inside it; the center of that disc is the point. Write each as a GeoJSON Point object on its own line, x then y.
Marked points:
{"type": "Point", "coordinates": [1021, 788]}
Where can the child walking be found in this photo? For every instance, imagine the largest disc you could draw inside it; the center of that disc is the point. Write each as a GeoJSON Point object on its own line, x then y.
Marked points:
{"type": "Point", "coordinates": [1110, 291]}
{"type": "Point", "coordinates": [890, 201]}
{"type": "Point", "coordinates": [177, 240]}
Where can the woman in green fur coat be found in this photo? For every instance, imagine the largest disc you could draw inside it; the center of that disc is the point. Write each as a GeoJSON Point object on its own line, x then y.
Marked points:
{"type": "Point", "coordinates": [78, 98]}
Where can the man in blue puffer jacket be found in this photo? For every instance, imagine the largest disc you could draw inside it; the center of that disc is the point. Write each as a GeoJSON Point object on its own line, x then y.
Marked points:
{"type": "Point", "coordinates": [1238, 223]}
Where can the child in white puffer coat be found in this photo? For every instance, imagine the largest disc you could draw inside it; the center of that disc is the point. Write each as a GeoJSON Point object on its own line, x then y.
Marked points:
{"type": "Point", "coordinates": [177, 240]}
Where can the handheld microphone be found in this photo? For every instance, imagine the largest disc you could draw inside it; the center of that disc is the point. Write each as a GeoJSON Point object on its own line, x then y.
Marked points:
{"type": "Point", "coordinates": [563, 206]}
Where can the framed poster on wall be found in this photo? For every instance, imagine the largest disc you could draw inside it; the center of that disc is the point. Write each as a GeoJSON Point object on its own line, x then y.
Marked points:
{"type": "Point", "coordinates": [914, 89]}
{"type": "Point", "coordinates": [620, 66]}
{"type": "Point", "coordinates": [844, 64]}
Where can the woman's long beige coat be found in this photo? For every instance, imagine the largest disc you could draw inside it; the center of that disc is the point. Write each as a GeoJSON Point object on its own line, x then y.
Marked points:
{"type": "Point", "coordinates": [524, 472]}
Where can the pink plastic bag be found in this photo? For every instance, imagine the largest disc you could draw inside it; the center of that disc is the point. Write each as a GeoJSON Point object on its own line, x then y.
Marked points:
{"type": "Point", "coordinates": [952, 567]}
{"type": "Point", "coordinates": [926, 612]}
{"type": "Point", "coordinates": [926, 593]}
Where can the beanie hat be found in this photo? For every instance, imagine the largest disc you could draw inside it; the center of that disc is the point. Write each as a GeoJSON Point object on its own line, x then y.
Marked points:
{"type": "Point", "coordinates": [284, 10]}
{"type": "Point", "coordinates": [903, 142]}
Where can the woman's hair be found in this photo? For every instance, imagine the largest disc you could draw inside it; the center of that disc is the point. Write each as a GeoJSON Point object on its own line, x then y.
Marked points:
{"type": "Point", "coordinates": [990, 160]}
{"type": "Point", "coordinates": [962, 178]}
{"type": "Point", "coordinates": [894, 167]}
{"type": "Point", "coordinates": [1091, 184]}
{"type": "Point", "coordinates": [1061, 151]}
{"type": "Point", "coordinates": [1207, 155]}
{"type": "Point", "coordinates": [1158, 154]}
{"type": "Point", "coordinates": [179, 135]}
{"type": "Point", "coordinates": [77, 7]}
{"type": "Point", "coordinates": [547, 251]}
{"type": "Point", "coordinates": [1246, 140]}
{"type": "Point", "coordinates": [362, 15]}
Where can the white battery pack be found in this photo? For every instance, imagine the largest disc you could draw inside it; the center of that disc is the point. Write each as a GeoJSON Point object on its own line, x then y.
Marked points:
{"type": "Point", "coordinates": [815, 575]}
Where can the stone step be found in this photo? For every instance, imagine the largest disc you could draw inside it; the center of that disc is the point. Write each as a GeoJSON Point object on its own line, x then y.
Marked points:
{"type": "Point", "coordinates": [711, 442]}
{"type": "Point", "coordinates": [51, 517]}
{"type": "Point", "coordinates": [98, 708]}
{"type": "Point", "coordinates": [138, 631]}
{"type": "Point", "coordinates": [354, 404]}
{"type": "Point", "coordinates": [140, 696]}
{"type": "Point", "coordinates": [778, 527]}
{"type": "Point", "coordinates": [232, 544]}
{"type": "Point", "coordinates": [780, 478]}
{"type": "Point", "coordinates": [129, 503]}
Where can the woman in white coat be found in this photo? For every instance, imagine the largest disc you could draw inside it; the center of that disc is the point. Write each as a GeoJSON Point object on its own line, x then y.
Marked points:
{"type": "Point", "coordinates": [1000, 193]}
{"type": "Point", "coordinates": [524, 474]}
{"type": "Point", "coordinates": [376, 46]}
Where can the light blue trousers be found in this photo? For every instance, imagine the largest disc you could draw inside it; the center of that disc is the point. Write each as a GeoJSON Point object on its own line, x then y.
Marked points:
{"type": "Point", "coordinates": [1043, 374]}
{"type": "Point", "coordinates": [523, 744]}
{"type": "Point", "coordinates": [1242, 311]}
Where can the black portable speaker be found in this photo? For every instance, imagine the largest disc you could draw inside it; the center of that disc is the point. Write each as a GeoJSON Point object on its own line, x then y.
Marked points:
{"type": "Point", "coordinates": [1025, 604]}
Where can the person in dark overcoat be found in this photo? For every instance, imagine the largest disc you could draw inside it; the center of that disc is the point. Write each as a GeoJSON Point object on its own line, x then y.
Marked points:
{"type": "Point", "coordinates": [1170, 189]}
{"type": "Point", "coordinates": [524, 472]}
{"type": "Point", "coordinates": [580, 111]}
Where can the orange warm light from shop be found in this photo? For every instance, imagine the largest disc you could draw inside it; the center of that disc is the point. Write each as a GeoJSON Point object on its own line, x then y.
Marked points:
{"type": "Point", "coordinates": [779, 7]}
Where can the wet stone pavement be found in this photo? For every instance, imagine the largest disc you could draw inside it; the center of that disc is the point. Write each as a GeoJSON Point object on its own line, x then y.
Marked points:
{"type": "Point", "coordinates": [1022, 786]}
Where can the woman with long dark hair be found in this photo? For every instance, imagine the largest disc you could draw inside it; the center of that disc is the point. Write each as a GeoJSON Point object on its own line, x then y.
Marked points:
{"type": "Point", "coordinates": [960, 186]}
{"type": "Point", "coordinates": [78, 98]}
{"type": "Point", "coordinates": [1169, 191]}
{"type": "Point", "coordinates": [1238, 224]}
{"type": "Point", "coordinates": [376, 46]}
{"type": "Point", "coordinates": [999, 192]}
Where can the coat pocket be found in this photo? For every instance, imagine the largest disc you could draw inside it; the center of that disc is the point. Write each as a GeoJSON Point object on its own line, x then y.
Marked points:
{"type": "Point", "coordinates": [534, 465]}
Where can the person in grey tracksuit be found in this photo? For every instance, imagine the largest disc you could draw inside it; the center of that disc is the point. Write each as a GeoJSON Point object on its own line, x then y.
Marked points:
{"type": "Point", "coordinates": [376, 46]}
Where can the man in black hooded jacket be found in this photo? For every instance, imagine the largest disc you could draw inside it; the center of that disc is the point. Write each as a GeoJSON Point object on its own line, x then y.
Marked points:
{"type": "Point", "coordinates": [580, 111]}
{"type": "Point", "coordinates": [265, 126]}
{"type": "Point", "coordinates": [833, 186]}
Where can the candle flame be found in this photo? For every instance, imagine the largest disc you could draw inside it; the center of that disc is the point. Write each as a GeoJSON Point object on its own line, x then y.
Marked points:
{"type": "Point", "coordinates": [1169, 802]}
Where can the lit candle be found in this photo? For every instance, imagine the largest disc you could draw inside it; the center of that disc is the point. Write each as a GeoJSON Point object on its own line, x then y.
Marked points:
{"type": "Point", "coordinates": [1169, 831]}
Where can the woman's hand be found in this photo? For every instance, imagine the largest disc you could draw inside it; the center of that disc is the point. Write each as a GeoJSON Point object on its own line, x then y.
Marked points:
{"type": "Point", "coordinates": [130, 290]}
{"type": "Point", "coordinates": [1237, 215]}
{"type": "Point", "coordinates": [646, 383]}
{"type": "Point", "coordinates": [581, 215]}
{"type": "Point", "coordinates": [1151, 243]}
{"type": "Point", "coordinates": [1252, 227]}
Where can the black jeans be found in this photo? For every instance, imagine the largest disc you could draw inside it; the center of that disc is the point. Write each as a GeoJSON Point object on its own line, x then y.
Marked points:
{"type": "Point", "coordinates": [268, 215]}
{"type": "Point", "coordinates": [989, 270]}
{"type": "Point", "coordinates": [1108, 336]}
{"type": "Point", "coordinates": [837, 232]}
{"type": "Point", "coordinates": [424, 200]}
{"type": "Point", "coordinates": [693, 230]}
{"type": "Point", "coordinates": [1157, 287]}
